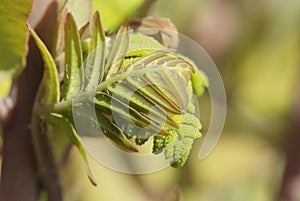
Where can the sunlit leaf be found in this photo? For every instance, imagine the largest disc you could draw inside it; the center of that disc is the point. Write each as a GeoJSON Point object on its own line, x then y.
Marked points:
{"type": "Point", "coordinates": [80, 10]}
{"type": "Point", "coordinates": [114, 12]}
{"type": "Point", "coordinates": [13, 37]}
{"type": "Point", "coordinates": [5, 87]}
{"type": "Point", "coordinates": [73, 79]}
{"type": "Point", "coordinates": [94, 68]}
{"type": "Point", "coordinates": [140, 62]}
{"type": "Point", "coordinates": [141, 45]}
{"type": "Point", "coordinates": [199, 82]}
{"type": "Point", "coordinates": [117, 53]}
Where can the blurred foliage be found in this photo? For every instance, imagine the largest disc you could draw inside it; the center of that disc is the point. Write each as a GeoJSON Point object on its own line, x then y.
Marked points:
{"type": "Point", "coordinates": [256, 45]}
{"type": "Point", "coordinates": [13, 40]}
{"type": "Point", "coordinates": [13, 37]}
{"type": "Point", "coordinates": [81, 10]}
{"type": "Point", "coordinates": [115, 12]}
{"type": "Point", "coordinates": [5, 87]}
{"type": "Point", "coordinates": [265, 66]}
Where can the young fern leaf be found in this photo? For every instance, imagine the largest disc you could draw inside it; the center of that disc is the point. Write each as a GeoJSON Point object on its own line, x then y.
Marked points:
{"type": "Point", "coordinates": [73, 79]}
{"type": "Point", "coordinates": [94, 68]}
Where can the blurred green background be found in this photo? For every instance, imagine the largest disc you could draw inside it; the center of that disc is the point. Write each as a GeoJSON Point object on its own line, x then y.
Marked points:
{"type": "Point", "coordinates": [256, 46]}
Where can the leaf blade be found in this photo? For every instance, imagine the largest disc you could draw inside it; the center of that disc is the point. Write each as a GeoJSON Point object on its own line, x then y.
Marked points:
{"type": "Point", "coordinates": [13, 37]}
{"type": "Point", "coordinates": [117, 53]}
{"type": "Point", "coordinates": [95, 65]}
{"type": "Point", "coordinates": [108, 8]}
{"type": "Point", "coordinates": [73, 79]}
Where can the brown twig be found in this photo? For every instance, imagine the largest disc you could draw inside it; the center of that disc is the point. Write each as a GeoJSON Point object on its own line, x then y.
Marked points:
{"type": "Point", "coordinates": [18, 177]}
{"type": "Point", "coordinates": [289, 189]}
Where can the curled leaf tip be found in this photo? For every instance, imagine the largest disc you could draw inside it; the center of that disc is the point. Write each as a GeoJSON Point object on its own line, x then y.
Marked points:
{"type": "Point", "coordinates": [90, 175]}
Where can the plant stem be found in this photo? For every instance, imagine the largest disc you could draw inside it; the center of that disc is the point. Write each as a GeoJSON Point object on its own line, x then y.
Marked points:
{"type": "Point", "coordinates": [45, 159]}
{"type": "Point", "coordinates": [19, 180]}
{"type": "Point", "coordinates": [290, 185]}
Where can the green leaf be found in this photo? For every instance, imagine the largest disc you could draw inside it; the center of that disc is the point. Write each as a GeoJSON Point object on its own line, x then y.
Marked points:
{"type": "Point", "coordinates": [97, 32]}
{"type": "Point", "coordinates": [168, 88]}
{"type": "Point", "coordinates": [141, 45]}
{"type": "Point", "coordinates": [153, 93]}
{"type": "Point", "coordinates": [177, 146]}
{"type": "Point", "coordinates": [49, 88]}
{"type": "Point", "coordinates": [115, 12]}
{"type": "Point", "coordinates": [73, 80]}
{"type": "Point", "coordinates": [150, 91]}
{"type": "Point", "coordinates": [139, 59]}
{"type": "Point", "coordinates": [144, 106]}
{"type": "Point", "coordinates": [199, 82]}
{"type": "Point", "coordinates": [13, 37]}
{"type": "Point", "coordinates": [80, 10]}
{"type": "Point", "coordinates": [117, 53]}
{"type": "Point", "coordinates": [5, 88]}
{"type": "Point", "coordinates": [94, 68]}
{"type": "Point", "coordinates": [66, 127]}
{"type": "Point", "coordinates": [114, 133]}
{"type": "Point", "coordinates": [176, 135]}
{"type": "Point", "coordinates": [123, 110]}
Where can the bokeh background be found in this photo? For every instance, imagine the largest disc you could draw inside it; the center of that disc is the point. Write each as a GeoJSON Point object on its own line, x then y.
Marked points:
{"type": "Point", "coordinates": [256, 46]}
